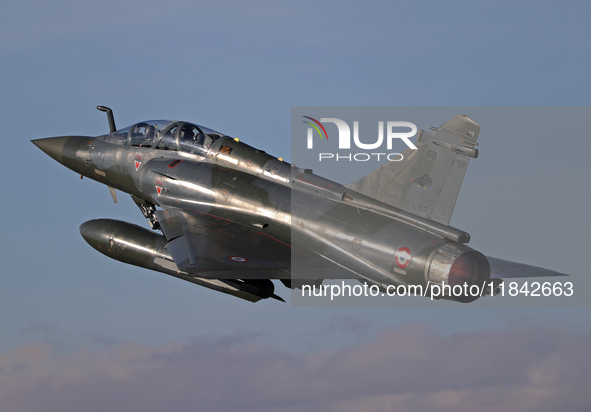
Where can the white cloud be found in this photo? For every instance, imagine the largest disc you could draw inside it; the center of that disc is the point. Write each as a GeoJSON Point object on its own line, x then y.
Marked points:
{"type": "Point", "coordinates": [410, 368]}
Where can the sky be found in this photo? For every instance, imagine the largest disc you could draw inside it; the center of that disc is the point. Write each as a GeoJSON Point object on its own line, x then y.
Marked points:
{"type": "Point", "coordinates": [81, 329]}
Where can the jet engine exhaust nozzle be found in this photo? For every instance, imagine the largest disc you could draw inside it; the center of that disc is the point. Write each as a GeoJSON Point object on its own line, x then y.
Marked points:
{"type": "Point", "coordinates": [460, 268]}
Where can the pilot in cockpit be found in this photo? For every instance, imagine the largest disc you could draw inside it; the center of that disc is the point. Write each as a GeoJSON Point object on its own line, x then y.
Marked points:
{"type": "Point", "coordinates": [143, 135]}
{"type": "Point", "coordinates": [150, 131]}
{"type": "Point", "coordinates": [189, 134]}
{"type": "Point", "coordinates": [191, 139]}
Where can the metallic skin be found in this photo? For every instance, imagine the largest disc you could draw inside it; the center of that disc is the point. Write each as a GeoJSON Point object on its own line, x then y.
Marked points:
{"type": "Point", "coordinates": [230, 217]}
{"type": "Point", "coordinates": [53, 146]}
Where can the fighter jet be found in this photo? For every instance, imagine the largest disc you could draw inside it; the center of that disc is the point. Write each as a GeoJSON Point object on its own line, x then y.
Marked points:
{"type": "Point", "coordinates": [230, 217]}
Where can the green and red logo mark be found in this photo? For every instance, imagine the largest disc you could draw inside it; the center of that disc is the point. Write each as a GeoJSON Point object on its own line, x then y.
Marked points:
{"type": "Point", "coordinates": [311, 132]}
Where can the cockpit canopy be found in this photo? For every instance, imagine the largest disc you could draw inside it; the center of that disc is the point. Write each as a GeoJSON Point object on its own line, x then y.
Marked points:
{"type": "Point", "coordinates": [166, 135]}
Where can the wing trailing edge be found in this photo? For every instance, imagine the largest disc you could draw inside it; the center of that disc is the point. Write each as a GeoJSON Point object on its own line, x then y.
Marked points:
{"type": "Point", "coordinates": [505, 269]}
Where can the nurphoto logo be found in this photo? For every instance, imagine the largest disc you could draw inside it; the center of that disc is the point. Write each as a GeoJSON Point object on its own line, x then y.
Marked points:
{"type": "Point", "coordinates": [392, 131]}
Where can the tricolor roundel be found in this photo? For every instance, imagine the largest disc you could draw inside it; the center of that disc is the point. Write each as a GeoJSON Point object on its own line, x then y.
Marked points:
{"type": "Point", "coordinates": [238, 259]}
{"type": "Point", "coordinates": [403, 257]}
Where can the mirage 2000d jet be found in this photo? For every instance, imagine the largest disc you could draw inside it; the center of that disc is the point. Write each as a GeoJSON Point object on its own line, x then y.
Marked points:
{"type": "Point", "coordinates": [232, 218]}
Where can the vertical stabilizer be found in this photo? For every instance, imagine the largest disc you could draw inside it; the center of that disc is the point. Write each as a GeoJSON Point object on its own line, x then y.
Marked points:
{"type": "Point", "coordinates": [428, 180]}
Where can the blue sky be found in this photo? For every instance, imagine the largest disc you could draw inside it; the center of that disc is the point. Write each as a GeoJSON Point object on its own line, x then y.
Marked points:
{"type": "Point", "coordinates": [74, 321]}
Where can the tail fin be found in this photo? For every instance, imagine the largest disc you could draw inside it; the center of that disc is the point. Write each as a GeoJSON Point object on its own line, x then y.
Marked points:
{"type": "Point", "coordinates": [427, 181]}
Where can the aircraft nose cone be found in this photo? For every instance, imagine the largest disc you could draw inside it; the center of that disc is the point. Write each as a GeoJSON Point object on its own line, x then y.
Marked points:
{"type": "Point", "coordinates": [53, 146]}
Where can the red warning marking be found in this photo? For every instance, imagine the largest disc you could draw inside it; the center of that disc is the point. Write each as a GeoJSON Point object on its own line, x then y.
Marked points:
{"type": "Point", "coordinates": [138, 161]}
{"type": "Point", "coordinates": [159, 190]}
{"type": "Point", "coordinates": [403, 257]}
{"type": "Point", "coordinates": [173, 164]}
{"type": "Point", "coordinates": [238, 259]}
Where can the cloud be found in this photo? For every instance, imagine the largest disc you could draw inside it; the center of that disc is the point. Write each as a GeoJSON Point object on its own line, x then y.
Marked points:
{"type": "Point", "coordinates": [409, 368]}
{"type": "Point", "coordinates": [346, 325]}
